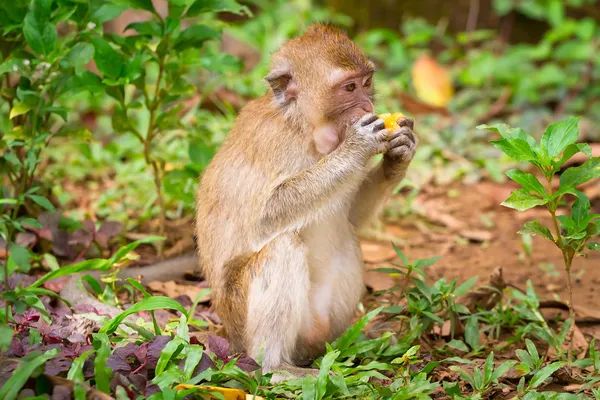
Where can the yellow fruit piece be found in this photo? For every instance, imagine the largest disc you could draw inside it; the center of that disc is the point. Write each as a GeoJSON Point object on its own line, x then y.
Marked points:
{"type": "Point", "coordinates": [227, 393]}
{"type": "Point", "coordinates": [432, 82]}
{"type": "Point", "coordinates": [391, 120]}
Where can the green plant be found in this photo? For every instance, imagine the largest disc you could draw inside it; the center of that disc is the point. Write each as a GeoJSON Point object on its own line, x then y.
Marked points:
{"type": "Point", "coordinates": [572, 233]}
{"type": "Point", "coordinates": [482, 379]}
{"type": "Point", "coordinates": [531, 364]}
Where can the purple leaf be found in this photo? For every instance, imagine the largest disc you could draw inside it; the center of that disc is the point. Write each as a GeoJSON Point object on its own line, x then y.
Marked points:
{"type": "Point", "coordinates": [107, 231]}
{"type": "Point", "coordinates": [57, 365]}
{"type": "Point", "coordinates": [219, 346]}
{"type": "Point", "coordinates": [118, 364]}
{"type": "Point", "coordinates": [205, 363]}
{"type": "Point", "coordinates": [26, 239]}
{"type": "Point", "coordinates": [155, 347]}
{"type": "Point", "coordinates": [246, 363]}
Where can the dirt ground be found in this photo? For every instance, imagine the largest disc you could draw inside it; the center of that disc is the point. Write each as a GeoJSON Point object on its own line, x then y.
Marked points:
{"type": "Point", "coordinates": [474, 234]}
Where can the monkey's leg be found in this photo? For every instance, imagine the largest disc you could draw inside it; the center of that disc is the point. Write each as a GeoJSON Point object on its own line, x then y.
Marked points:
{"type": "Point", "coordinates": [278, 303]}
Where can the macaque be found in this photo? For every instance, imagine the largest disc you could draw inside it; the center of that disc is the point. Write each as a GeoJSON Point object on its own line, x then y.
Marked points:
{"type": "Point", "coordinates": [279, 205]}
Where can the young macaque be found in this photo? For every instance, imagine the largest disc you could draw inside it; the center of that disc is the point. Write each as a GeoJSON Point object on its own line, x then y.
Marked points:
{"type": "Point", "coordinates": [279, 205]}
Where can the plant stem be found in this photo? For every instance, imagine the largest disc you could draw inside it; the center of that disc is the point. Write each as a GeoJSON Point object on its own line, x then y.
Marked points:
{"type": "Point", "coordinates": [6, 303]}
{"type": "Point", "coordinates": [567, 259]}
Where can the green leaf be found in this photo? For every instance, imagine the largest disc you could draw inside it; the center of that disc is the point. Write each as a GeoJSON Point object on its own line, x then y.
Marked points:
{"type": "Point", "coordinates": [80, 54]}
{"type": "Point", "coordinates": [352, 333]}
{"type": "Point", "coordinates": [326, 364]}
{"type": "Point", "coordinates": [102, 373]}
{"type": "Point", "coordinates": [76, 371]}
{"type": "Point", "coordinates": [202, 6]}
{"type": "Point", "coordinates": [171, 350]}
{"type": "Point", "coordinates": [193, 357]}
{"type": "Point", "coordinates": [465, 286]}
{"type": "Point", "coordinates": [139, 4]}
{"type": "Point", "coordinates": [458, 345]}
{"type": "Point", "coordinates": [536, 228]}
{"type": "Point", "coordinates": [106, 12]}
{"type": "Point", "coordinates": [472, 332]}
{"type": "Point", "coordinates": [21, 257]}
{"type": "Point", "coordinates": [426, 262]}
{"type": "Point", "coordinates": [107, 59]}
{"type": "Point", "coordinates": [400, 254]}
{"type": "Point", "coordinates": [522, 200]}
{"type": "Point", "coordinates": [580, 211]}
{"type": "Point", "coordinates": [19, 109]}
{"type": "Point", "coordinates": [146, 28]}
{"type": "Point", "coordinates": [571, 150]}
{"type": "Point", "coordinates": [543, 374]}
{"type": "Point", "coordinates": [593, 246]}
{"type": "Point", "coordinates": [309, 388]}
{"type": "Point", "coordinates": [575, 176]}
{"type": "Point", "coordinates": [516, 148]}
{"type": "Point", "coordinates": [41, 35]}
{"type": "Point", "coordinates": [151, 303]}
{"type": "Point", "coordinates": [11, 388]}
{"type": "Point", "coordinates": [502, 369]}
{"type": "Point", "coordinates": [529, 182]}
{"type": "Point", "coordinates": [200, 153]}
{"type": "Point", "coordinates": [42, 202]}
{"type": "Point", "coordinates": [488, 368]}
{"type": "Point", "coordinates": [194, 37]}
{"type": "Point", "coordinates": [6, 335]}
{"type": "Point", "coordinates": [559, 135]}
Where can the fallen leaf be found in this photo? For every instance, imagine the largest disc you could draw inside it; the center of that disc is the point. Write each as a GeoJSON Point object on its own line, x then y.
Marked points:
{"type": "Point", "coordinates": [173, 290]}
{"type": "Point", "coordinates": [227, 393]}
{"type": "Point", "coordinates": [431, 82]}
{"type": "Point", "coordinates": [375, 253]}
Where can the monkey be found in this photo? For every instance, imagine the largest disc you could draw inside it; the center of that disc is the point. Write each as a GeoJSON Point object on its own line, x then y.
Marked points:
{"type": "Point", "coordinates": [279, 205]}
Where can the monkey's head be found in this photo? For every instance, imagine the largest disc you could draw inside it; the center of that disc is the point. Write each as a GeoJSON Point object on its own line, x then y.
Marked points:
{"type": "Point", "coordinates": [324, 79]}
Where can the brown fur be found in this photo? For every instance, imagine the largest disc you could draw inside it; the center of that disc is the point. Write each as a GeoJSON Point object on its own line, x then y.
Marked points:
{"type": "Point", "coordinates": [276, 218]}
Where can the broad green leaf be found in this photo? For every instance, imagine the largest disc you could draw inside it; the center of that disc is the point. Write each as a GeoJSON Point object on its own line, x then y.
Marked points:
{"type": "Point", "coordinates": [488, 368]}
{"type": "Point", "coordinates": [502, 369]}
{"type": "Point", "coordinates": [19, 109]}
{"type": "Point", "coordinates": [426, 262]}
{"type": "Point", "coordinates": [102, 373]}
{"type": "Point", "coordinates": [146, 28]}
{"type": "Point", "coordinates": [522, 200]}
{"type": "Point", "coordinates": [6, 335]}
{"type": "Point", "coordinates": [172, 349]}
{"type": "Point", "coordinates": [193, 357]}
{"type": "Point", "coordinates": [580, 211]}
{"type": "Point", "coordinates": [532, 350]}
{"type": "Point", "coordinates": [594, 246]}
{"type": "Point", "coordinates": [202, 6]}
{"type": "Point", "coordinates": [536, 228]}
{"type": "Point", "coordinates": [107, 59]}
{"type": "Point", "coordinates": [559, 135]}
{"type": "Point", "coordinates": [543, 374]}
{"type": "Point", "coordinates": [528, 181]}
{"type": "Point", "coordinates": [352, 333]}
{"type": "Point", "coordinates": [42, 202]}
{"type": "Point", "coordinates": [106, 12]}
{"type": "Point", "coordinates": [11, 388]}
{"type": "Point", "coordinates": [400, 254]}
{"type": "Point", "coordinates": [76, 371]}
{"type": "Point", "coordinates": [123, 251]}
{"type": "Point", "coordinates": [309, 388]}
{"type": "Point", "coordinates": [139, 4]}
{"type": "Point", "coordinates": [506, 131]}
{"type": "Point", "coordinates": [200, 153]}
{"type": "Point", "coordinates": [41, 35]}
{"type": "Point", "coordinates": [458, 345]}
{"type": "Point", "coordinates": [575, 176]}
{"type": "Point", "coordinates": [472, 332]}
{"type": "Point", "coordinates": [571, 150]}
{"type": "Point", "coordinates": [80, 54]}
{"type": "Point", "coordinates": [194, 37]}
{"type": "Point", "coordinates": [87, 265]}
{"type": "Point", "coordinates": [21, 257]}
{"type": "Point", "coordinates": [516, 148]}
{"type": "Point", "coordinates": [151, 303]}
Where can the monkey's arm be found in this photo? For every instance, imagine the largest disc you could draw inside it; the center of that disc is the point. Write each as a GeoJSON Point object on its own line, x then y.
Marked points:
{"type": "Point", "coordinates": [375, 191]}
{"type": "Point", "coordinates": [293, 201]}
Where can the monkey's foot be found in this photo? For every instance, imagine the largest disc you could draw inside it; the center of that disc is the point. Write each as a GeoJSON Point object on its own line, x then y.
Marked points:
{"type": "Point", "coordinates": [287, 372]}
{"type": "Point", "coordinates": [376, 235]}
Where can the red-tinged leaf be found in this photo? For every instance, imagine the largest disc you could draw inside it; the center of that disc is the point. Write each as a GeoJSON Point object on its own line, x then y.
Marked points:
{"type": "Point", "coordinates": [247, 364]}
{"type": "Point", "coordinates": [432, 82]}
{"type": "Point", "coordinates": [219, 346]}
{"type": "Point", "coordinates": [205, 363]}
{"type": "Point", "coordinates": [155, 347]}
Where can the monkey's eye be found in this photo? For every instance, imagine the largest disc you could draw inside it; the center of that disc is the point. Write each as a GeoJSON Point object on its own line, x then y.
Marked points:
{"type": "Point", "coordinates": [350, 87]}
{"type": "Point", "coordinates": [368, 82]}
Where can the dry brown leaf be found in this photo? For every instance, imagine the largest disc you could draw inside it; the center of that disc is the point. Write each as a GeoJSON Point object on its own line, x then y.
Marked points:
{"type": "Point", "coordinates": [173, 290]}
{"type": "Point", "coordinates": [432, 82]}
{"type": "Point", "coordinates": [375, 253]}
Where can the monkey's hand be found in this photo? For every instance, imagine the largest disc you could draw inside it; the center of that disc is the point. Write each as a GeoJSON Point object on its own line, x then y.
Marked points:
{"type": "Point", "coordinates": [368, 136]}
{"type": "Point", "coordinates": [402, 143]}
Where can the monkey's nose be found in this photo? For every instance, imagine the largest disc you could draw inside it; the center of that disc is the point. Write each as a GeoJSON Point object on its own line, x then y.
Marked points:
{"type": "Point", "coordinates": [368, 107]}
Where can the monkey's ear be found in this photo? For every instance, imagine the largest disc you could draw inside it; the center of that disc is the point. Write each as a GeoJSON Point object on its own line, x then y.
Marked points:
{"type": "Point", "coordinates": [283, 85]}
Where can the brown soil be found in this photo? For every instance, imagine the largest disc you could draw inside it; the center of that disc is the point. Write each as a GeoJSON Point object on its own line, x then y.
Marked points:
{"type": "Point", "coordinates": [488, 247]}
